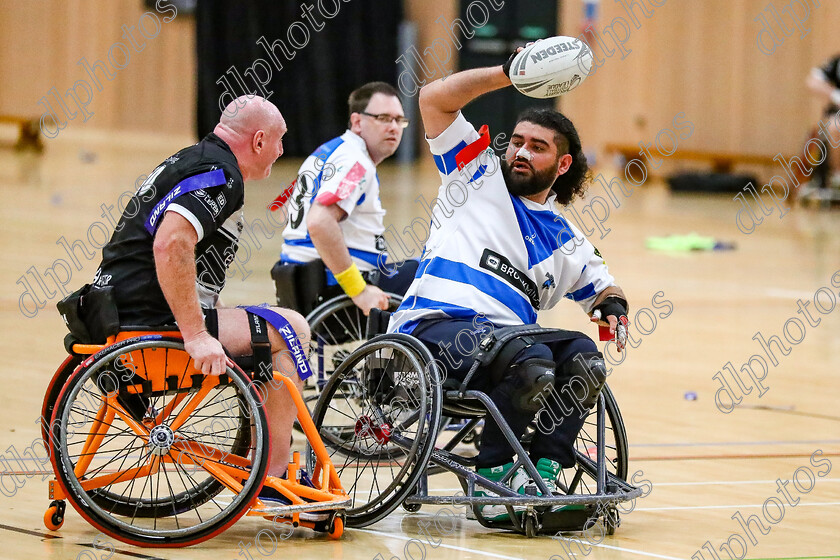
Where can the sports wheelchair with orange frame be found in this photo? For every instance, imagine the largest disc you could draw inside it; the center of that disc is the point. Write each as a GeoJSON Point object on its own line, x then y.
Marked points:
{"type": "Point", "coordinates": [381, 415]}
{"type": "Point", "coordinates": [154, 453]}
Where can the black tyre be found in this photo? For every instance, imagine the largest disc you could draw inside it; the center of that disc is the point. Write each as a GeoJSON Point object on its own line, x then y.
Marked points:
{"type": "Point", "coordinates": [615, 448]}
{"type": "Point", "coordinates": [378, 417]}
{"type": "Point", "coordinates": [161, 436]}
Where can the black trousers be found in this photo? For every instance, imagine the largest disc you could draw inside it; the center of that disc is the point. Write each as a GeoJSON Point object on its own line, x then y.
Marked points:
{"type": "Point", "coordinates": [451, 341]}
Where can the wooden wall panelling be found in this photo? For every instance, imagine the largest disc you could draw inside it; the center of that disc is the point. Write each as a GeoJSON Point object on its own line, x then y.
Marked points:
{"type": "Point", "coordinates": [696, 57]}
{"type": "Point", "coordinates": [43, 41]}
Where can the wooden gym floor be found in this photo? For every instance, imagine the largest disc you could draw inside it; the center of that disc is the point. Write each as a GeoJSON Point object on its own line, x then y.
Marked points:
{"type": "Point", "coordinates": [704, 466]}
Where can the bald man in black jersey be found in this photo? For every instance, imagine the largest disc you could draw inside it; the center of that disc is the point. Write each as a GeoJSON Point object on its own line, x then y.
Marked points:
{"type": "Point", "coordinates": [171, 248]}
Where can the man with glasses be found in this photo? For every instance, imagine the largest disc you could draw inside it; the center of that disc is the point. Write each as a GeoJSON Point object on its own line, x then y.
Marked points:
{"type": "Point", "coordinates": [336, 215]}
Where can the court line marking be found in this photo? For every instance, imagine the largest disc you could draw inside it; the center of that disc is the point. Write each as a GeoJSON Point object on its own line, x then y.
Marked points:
{"type": "Point", "coordinates": [672, 508]}
{"type": "Point", "coordinates": [450, 546]}
{"type": "Point", "coordinates": [125, 552]}
{"type": "Point", "coordinates": [721, 482]}
{"type": "Point", "coordinates": [742, 456]}
{"type": "Point", "coordinates": [788, 410]}
{"type": "Point", "coordinates": [28, 532]}
{"type": "Point", "coordinates": [795, 558]}
{"type": "Point", "coordinates": [786, 294]}
{"type": "Point", "coordinates": [712, 443]}
{"type": "Point", "coordinates": [49, 536]}
{"type": "Point", "coordinates": [619, 548]}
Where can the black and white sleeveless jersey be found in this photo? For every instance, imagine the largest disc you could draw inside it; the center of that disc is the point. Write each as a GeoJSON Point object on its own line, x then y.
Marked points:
{"type": "Point", "coordinates": [203, 184]}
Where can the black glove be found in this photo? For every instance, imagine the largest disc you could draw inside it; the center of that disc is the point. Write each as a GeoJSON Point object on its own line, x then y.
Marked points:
{"type": "Point", "coordinates": [616, 306]}
{"type": "Point", "coordinates": [506, 66]}
{"type": "Point", "coordinates": [613, 305]}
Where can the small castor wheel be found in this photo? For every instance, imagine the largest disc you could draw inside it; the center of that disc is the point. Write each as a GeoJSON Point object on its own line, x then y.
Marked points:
{"type": "Point", "coordinates": [531, 523]}
{"type": "Point", "coordinates": [336, 526]}
{"type": "Point", "coordinates": [411, 508]}
{"type": "Point", "coordinates": [54, 516]}
{"type": "Point", "coordinates": [612, 520]}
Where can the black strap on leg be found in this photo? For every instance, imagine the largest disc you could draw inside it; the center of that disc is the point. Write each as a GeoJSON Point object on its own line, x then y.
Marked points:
{"type": "Point", "coordinates": [498, 350]}
{"type": "Point", "coordinates": [261, 347]}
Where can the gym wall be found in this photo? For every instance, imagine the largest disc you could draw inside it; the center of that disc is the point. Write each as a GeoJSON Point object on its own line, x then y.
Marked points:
{"type": "Point", "coordinates": [42, 41]}
{"type": "Point", "coordinates": [699, 58]}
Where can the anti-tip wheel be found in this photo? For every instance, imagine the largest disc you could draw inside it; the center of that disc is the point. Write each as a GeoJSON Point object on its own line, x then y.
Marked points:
{"type": "Point", "coordinates": [612, 520]}
{"type": "Point", "coordinates": [54, 516]}
{"type": "Point", "coordinates": [532, 524]}
{"type": "Point", "coordinates": [411, 508]}
{"type": "Point", "coordinates": [336, 528]}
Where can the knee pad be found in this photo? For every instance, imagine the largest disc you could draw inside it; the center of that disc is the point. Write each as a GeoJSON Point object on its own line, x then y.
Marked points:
{"type": "Point", "coordinates": [533, 376]}
{"type": "Point", "coordinates": [582, 378]}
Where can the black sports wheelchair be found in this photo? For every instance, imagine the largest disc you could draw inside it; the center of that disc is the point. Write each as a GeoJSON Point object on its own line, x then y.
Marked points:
{"type": "Point", "coordinates": [381, 415]}
{"type": "Point", "coordinates": [337, 325]}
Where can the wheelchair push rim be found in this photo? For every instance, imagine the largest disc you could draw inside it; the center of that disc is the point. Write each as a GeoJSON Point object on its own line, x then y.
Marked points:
{"type": "Point", "coordinates": [136, 451]}
{"type": "Point", "coordinates": [378, 417]}
{"type": "Point", "coordinates": [338, 328]}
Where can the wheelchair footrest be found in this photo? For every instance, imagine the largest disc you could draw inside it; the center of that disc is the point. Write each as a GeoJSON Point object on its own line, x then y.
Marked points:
{"type": "Point", "coordinates": [567, 520]}
{"type": "Point", "coordinates": [553, 522]}
{"type": "Point", "coordinates": [288, 510]}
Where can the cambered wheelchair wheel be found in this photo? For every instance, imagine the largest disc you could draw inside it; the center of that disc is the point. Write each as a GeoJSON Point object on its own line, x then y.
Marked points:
{"type": "Point", "coordinates": [582, 479]}
{"type": "Point", "coordinates": [60, 377]}
{"type": "Point", "coordinates": [143, 444]}
{"type": "Point", "coordinates": [378, 416]}
{"type": "Point", "coordinates": [338, 327]}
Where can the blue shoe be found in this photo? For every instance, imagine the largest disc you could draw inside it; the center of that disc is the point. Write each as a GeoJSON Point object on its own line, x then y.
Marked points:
{"type": "Point", "coordinates": [269, 495]}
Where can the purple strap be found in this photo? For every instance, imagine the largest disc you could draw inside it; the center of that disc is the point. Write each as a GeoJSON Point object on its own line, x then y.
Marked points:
{"type": "Point", "coordinates": [201, 181]}
{"type": "Point", "coordinates": [289, 335]}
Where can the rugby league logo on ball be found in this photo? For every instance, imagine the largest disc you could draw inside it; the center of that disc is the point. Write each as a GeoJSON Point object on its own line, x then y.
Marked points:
{"type": "Point", "coordinates": [551, 67]}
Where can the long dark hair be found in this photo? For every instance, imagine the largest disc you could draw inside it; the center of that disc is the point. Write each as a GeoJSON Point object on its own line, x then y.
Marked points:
{"type": "Point", "coordinates": [574, 181]}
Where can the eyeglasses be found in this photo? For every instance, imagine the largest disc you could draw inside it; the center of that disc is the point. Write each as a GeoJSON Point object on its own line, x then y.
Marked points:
{"type": "Point", "coordinates": [385, 118]}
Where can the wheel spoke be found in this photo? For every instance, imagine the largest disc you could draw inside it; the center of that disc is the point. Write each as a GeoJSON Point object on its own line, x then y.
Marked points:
{"type": "Point", "coordinates": [138, 484]}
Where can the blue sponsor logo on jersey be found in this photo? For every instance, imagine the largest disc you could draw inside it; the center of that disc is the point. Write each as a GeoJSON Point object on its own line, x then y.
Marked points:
{"type": "Point", "coordinates": [549, 282]}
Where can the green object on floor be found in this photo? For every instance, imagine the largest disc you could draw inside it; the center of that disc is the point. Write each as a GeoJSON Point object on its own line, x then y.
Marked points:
{"type": "Point", "coordinates": [683, 243]}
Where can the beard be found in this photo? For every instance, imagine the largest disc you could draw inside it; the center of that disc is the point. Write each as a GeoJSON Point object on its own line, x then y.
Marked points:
{"type": "Point", "coordinates": [527, 184]}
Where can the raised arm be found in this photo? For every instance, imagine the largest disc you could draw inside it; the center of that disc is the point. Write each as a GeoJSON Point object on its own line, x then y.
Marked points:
{"type": "Point", "coordinates": [441, 100]}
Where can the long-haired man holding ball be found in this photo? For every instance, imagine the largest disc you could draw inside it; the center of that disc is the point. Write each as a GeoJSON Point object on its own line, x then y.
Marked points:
{"type": "Point", "coordinates": [504, 254]}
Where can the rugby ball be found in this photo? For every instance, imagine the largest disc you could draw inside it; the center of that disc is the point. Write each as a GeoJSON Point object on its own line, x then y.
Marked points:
{"type": "Point", "coordinates": [551, 67]}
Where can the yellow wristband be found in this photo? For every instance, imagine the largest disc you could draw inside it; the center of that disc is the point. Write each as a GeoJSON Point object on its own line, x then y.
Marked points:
{"type": "Point", "coordinates": [351, 281]}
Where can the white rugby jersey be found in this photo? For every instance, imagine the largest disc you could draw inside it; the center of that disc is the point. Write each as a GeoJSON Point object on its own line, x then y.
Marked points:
{"type": "Point", "coordinates": [338, 172]}
{"type": "Point", "coordinates": [498, 254]}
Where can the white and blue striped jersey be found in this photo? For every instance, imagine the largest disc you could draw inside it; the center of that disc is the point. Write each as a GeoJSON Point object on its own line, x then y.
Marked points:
{"type": "Point", "coordinates": [339, 172]}
{"type": "Point", "coordinates": [500, 255]}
